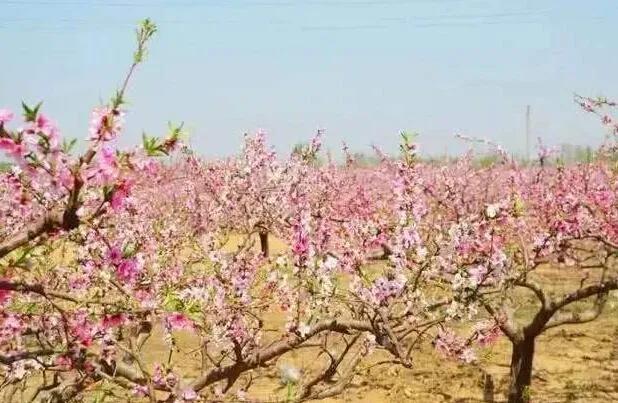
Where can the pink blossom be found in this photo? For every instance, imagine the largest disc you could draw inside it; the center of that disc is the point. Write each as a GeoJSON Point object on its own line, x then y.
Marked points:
{"type": "Point", "coordinates": [409, 237]}
{"type": "Point", "coordinates": [79, 282]}
{"type": "Point", "coordinates": [82, 329]}
{"type": "Point", "coordinates": [65, 177]}
{"type": "Point", "coordinates": [478, 274]}
{"type": "Point", "coordinates": [114, 255]}
{"type": "Point", "coordinates": [106, 170]}
{"type": "Point", "coordinates": [110, 321]}
{"type": "Point", "coordinates": [146, 299]}
{"type": "Point", "coordinates": [381, 291]}
{"type": "Point", "coordinates": [301, 244]}
{"type": "Point", "coordinates": [105, 123]}
{"type": "Point", "coordinates": [140, 390]}
{"type": "Point", "coordinates": [63, 361]}
{"type": "Point", "coordinates": [158, 377]}
{"type": "Point", "coordinates": [5, 116]}
{"type": "Point", "coordinates": [148, 166]}
{"type": "Point", "coordinates": [42, 121]}
{"type": "Point", "coordinates": [450, 345]}
{"type": "Point", "coordinates": [488, 333]}
{"type": "Point", "coordinates": [128, 270]}
{"type": "Point", "coordinates": [178, 321]}
{"type": "Point", "coordinates": [237, 330]}
{"type": "Point", "coordinates": [188, 395]}
{"type": "Point", "coordinates": [11, 325]}
{"type": "Point", "coordinates": [4, 297]}
{"type": "Point", "coordinates": [467, 355]}
{"type": "Point", "coordinates": [171, 379]}
{"type": "Point", "coordinates": [9, 146]}
{"type": "Point", "coordinates": [121, 192]}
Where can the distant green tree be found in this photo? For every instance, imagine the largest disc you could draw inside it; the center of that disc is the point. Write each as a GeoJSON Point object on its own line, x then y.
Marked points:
{"type": "Point", "coordinates": [573, 153]}
{"type": "Point", "coordinates": [302, 149]}
{"type": "Point", "coordinates": [365, 160]}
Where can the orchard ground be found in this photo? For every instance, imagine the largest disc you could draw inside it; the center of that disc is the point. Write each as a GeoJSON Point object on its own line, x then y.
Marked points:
{"type": "Point", "coordinates": [576, 363]}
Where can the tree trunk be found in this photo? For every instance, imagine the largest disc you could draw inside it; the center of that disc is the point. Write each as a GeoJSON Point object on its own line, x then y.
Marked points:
{"type": "Point", "coordinates": [488, 388]}
{"type": "Point", "coordinates": [264, 243]}
{"type": "Point", "coordinates": [521, 370]}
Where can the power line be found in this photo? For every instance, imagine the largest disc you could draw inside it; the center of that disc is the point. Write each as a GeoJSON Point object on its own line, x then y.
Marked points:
{"type": "Point", "coordinates": [189, 3]}
{"type": "Point", "coordinates": [428, 25]}
{"type": "Point", "coordinates": [427, 21]}
{"type": "Point", "coordinates": [444, 20]}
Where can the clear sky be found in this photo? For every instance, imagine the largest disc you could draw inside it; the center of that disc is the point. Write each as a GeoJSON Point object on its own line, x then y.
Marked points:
{"type": "Point", "coordinates": [361, 69]}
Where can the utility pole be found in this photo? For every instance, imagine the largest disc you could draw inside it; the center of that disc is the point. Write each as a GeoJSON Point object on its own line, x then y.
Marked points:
{"type": "Point", "coordinates": [527, 133]}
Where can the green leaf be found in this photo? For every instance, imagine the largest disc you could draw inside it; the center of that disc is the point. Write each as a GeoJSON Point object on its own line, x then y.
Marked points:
{"type": "Point", "coordinates": [129, 250]}
{"type": "Point", "coordinates": [171, 302]}
{"type": "Point", "coordinates": [407, 146]}
{"type": "Point", "coordinates": [30, 114]}
{"type": "Point", "coordinates": [175, 132]}
{"type": "Point", "coordinates": [143, 33]}
{"type": "Point", "coordinates": [117, 100]}
{"type": "Point", "coordinates": [30, 308]}
{"type": "Point", "coordinates": [67, 146]}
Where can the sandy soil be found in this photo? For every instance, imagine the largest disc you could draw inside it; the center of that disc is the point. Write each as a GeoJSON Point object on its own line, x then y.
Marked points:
{"type": "Point", "coordinates": [572, 364]}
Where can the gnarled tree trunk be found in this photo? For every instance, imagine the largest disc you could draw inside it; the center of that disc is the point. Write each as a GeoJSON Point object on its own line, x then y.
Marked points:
{"type": "Point", "coordinates": [521, 370]}
{"type": "Point", "coordinates": [264, 242]}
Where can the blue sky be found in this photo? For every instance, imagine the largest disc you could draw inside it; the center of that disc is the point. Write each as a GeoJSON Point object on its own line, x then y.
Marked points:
{"type": "Point", "coordinates": [361, 69]}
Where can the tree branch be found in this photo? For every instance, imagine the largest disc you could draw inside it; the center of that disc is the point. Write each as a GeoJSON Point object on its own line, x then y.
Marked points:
{"type": "Point", "coordinates": [583, 293]}
{"type": "Point", "coordinates": [33, 231]}
{"type": "Point", "coordinates": [259, 358]}
{"type": "Point", "coordinates": [574, 318]}
{"type": "Point", "coordinates": [536, 289]}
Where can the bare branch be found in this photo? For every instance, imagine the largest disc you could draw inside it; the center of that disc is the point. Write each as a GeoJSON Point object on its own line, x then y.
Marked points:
{"type": "Point", "coordinates": [10, 359]}
{"type": "Point", "coordinates": [536, 289]}
{"type": "Point", "coordinates": [329, 372]}
{"type": "Point", "coordinates": [586, 292]}
{"type": "Point", "coordinates": [574, 318]}
{"type": "Point", "coordinates": [277, 349]}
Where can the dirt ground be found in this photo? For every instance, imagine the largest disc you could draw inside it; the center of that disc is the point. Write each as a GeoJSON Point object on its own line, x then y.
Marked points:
{"type": "Point", "coordinates": [577, 363]}
{"type": "Point", "coordinates": [572, 364]}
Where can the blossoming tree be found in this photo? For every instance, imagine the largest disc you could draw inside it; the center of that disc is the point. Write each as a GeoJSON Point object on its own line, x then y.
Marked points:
{"type": "Point", "coordinates": [510, 223]}
{"type": "Point", "coordinates": [109, 253]}
{"type": "Point", "coordinates": [115, 266]}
